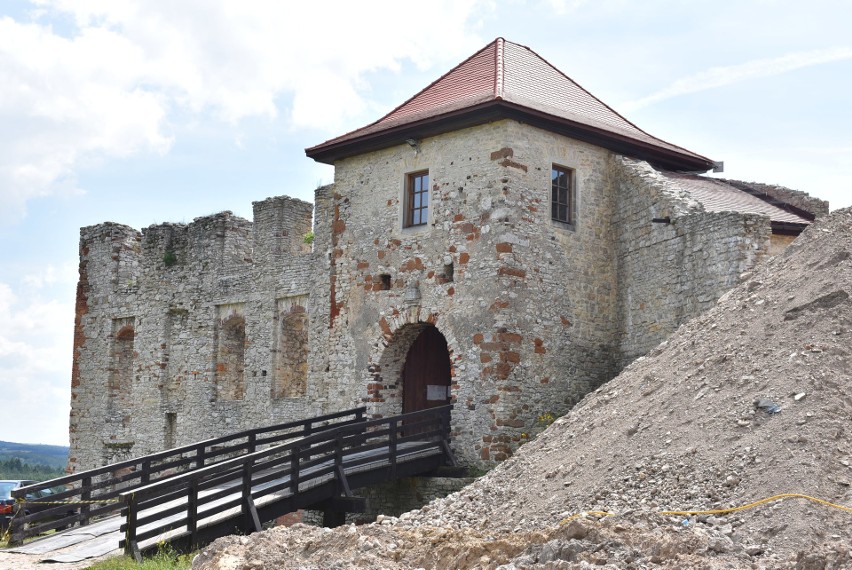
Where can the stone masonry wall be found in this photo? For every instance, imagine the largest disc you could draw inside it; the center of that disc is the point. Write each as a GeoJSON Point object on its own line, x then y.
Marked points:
{"type": "Point", "coordinates": [187, 332]}
{"type": "Point", "coordinates": [178, 329]}
{"type": "Point", "coordinates": [527, 308]}
{"type": "Point", "coordinates": [671, 272]}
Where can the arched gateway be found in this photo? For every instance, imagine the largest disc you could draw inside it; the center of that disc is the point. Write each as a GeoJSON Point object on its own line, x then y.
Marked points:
{"type": "Point", "coordinates": [426, 374]}
{"type": "Point", "coordinates": [413, 355]}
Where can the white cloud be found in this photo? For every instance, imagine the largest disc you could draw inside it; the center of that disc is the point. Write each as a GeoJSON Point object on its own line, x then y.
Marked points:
{"type": "Point", "coordinates": [63, 101]}
{"type": "Point", "coordinates": [562, 7]}
{"type": "Point", "coordinates": [35, 364]}
{"type": "Point", "coordinates": [108, 84]}
{"type": "Point", "coordinates": [721, 76]}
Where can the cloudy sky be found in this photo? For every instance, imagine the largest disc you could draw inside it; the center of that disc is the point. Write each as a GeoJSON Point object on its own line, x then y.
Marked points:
{"type": "Point", "coordinates": [143, 112]}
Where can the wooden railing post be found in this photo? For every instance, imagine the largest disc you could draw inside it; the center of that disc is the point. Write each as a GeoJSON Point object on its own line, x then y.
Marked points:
{"type": "Point", "coordinates": [250, 516]}
{"type": "Point", "coordinates": [146, 472]}
{"type": "Point", "coordinates": [392, 447]}
{"type": "Point", "coordinates": [199, 457]}
{"type": "Point", "coordinates": [131, 547]}
{"type": "Point", "coordinates": [338, 460]}
{"type": "Point", "coordinates": [252, 442]}
{"type": "Point", "coordinates": [294, 471]}
{"type": "Point", "coordinates": [85, 497]}
{"type": "Point", "coordinates": [192, 512]}
{"type": "Point", "coordinates": [17, 527]}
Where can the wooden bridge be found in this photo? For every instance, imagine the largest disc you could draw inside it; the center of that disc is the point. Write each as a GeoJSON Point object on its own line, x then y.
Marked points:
{"type": "Point", "coordinates": [191, 495]}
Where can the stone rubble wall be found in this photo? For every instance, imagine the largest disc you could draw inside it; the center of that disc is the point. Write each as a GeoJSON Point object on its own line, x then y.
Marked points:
{"type": "Point", "coordinates": [795, 198]}
{"type": "Point", "coordinates": [671, 272]}
{"type": "Point", "coordinates": [179, 288]}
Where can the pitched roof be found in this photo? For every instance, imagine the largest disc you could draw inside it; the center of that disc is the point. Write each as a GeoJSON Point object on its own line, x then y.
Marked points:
{"type": "Point", "coordinates": [508, 80]}
{"type": "Point", "coordinates": [720, 196]}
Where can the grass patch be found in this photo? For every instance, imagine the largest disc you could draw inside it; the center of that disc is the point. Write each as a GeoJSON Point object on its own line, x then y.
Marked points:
{"type": "Point", "coordinates": [165, 559]}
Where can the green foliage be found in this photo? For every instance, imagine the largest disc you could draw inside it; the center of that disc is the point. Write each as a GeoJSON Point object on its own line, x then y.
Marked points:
{"type": "Point", "coordinates": [14, 468]}
{"type": "Point", "coordinates": [308, 238]}
{"type": "Point", "coordinates": [169, 258]}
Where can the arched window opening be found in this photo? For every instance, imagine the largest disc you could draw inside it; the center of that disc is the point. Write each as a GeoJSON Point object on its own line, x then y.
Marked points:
{"type": "Point", "coordinates": [230, 360]}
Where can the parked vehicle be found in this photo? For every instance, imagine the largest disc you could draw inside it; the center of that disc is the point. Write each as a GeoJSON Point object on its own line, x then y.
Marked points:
{"type": "Point", "coordinates": [7, 502]}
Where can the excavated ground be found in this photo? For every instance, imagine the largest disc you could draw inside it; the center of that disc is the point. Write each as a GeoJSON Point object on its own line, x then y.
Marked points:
{"type": "Point", "coordinates": [750, 400]}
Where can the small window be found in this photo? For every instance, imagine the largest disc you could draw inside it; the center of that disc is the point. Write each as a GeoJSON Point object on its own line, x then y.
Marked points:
{"type": "Point", "coordinates": [416, 199]}
{"type": "Point", "coordinates": [562, 199]}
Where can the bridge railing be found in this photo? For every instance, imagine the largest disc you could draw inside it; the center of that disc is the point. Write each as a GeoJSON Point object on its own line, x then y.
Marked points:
{"type": "Point", "coordinates": [95, 492]}
{"type": "Point", "coordinates": [180, 505]}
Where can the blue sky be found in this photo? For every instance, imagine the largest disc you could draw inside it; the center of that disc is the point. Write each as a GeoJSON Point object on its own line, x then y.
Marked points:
{"type": "Point", "coordinates": [146, 112]}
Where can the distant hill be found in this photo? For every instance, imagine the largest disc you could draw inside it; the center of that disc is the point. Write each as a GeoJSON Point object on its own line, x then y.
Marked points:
{"type": "Point", "coordinates": [55, 456]}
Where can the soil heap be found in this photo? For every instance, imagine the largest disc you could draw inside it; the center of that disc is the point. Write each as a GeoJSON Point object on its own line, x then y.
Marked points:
{"type": "Point", "coordinates": [750, 400]}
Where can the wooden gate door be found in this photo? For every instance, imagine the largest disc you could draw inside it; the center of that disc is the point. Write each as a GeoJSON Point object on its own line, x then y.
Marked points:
{"type": "Point", "coordinates": [426, 375]}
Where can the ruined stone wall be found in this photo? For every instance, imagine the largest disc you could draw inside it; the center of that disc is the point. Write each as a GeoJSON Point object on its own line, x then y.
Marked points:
{"type": "Point", "coordinates": [179, 330]}
{"type": "Point", "coordinates": [671, 272]}
{"type": "Point", "coordinates": [795, 198]}
{"type": "Point", "coordinates": [527, 308]}
{"type": "Point", "coordinates": [109, 270]}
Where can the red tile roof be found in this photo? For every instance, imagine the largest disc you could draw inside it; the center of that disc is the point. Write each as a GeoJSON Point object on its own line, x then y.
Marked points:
{"type": "Point", "coordinates": [505, 79]}
{"type": "Point", "coordinates": [717, 196]}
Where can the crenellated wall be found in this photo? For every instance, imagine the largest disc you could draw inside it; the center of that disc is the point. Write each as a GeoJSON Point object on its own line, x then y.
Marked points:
{"type": "Point", "coordinates": [179, 328]}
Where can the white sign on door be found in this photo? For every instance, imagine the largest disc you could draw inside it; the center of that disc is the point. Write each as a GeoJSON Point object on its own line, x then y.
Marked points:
{"type": "Point", "coordinates": [434, 392]}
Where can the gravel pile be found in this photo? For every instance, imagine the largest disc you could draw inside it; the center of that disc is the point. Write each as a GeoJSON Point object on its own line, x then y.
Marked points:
{"type": "Point", "coordinates": [750, 400]}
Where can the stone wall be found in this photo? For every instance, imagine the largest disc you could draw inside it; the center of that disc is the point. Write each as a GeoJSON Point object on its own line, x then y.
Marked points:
{"type": "Point", "coordinates": [795, 198]}
{"type": "Point", "coordinates": [397, 497]}
{"type": "Point", "coordinates": [179, 330]}
{"type": "Point", "coordinates": [391, 499]}
{"type": "Point", "coordinates": [671, 272]}
{"type": "Point", "coordinates": [186, 332]}
{"type": "Point", "coordinates": [527, 307]}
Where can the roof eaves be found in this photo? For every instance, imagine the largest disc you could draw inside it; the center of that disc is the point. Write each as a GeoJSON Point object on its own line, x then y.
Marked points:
{"type": "Point", "coordinates": [673, 158]}
{"type": "Point", "coordinates": [490, 110]}
{"type": "Point", "coordinates": [430, 125]}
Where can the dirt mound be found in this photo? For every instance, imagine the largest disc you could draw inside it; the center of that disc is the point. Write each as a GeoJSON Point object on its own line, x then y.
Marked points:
{"type": "Point", "coordinates": [750, 400]}
{"type": "Point", "coordinates": [579, 544]}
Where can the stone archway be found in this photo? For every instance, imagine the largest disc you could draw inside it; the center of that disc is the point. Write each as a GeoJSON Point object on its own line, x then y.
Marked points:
{"type": "Point", "coordinates": [427, 372]}
{"type": "Point", "coordinates": [396, 335]}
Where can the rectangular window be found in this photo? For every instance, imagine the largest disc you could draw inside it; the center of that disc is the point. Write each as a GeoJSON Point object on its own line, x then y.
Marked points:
{"type": "Point", "coordinates": [416, 199]}
{"type": "Point", "coordinates": [562, 198]}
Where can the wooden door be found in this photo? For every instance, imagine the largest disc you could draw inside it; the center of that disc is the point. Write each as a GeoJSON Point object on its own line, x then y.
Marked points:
{"type": "Point", "coordinates": [426, 375]}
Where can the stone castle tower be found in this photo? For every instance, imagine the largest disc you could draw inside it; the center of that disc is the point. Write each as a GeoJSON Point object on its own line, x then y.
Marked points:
{"type": "Point", "coordinates": [503, 240]}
